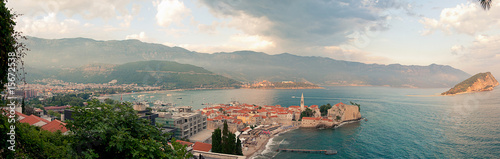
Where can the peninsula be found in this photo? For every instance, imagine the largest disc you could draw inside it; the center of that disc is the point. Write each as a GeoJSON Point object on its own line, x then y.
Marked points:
{"type": "Point", "coordinates": [265, 84]}
{"type": "Point", "coordinates": [477, 83]}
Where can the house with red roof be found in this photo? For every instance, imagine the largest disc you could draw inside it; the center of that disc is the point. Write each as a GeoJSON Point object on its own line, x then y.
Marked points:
{"type": "Point", "coordinates": [20, 116]}
{"type": "Point", "coordinates": [189, 144]}
{"type": "Point", "coordinates": [34, 120]}
{"type": "Point", "coordinates": [54, 126]}
{"type": "Point", "coordinates": [59, 109]}
{"type": "Point", "coordinates": [339, 104]}
{"type": "Point", "coordinates": [200, 146]}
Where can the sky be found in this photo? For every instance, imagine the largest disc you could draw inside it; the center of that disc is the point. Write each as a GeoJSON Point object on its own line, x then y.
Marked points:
{"type": "Point", "coordinates": [458, 33]}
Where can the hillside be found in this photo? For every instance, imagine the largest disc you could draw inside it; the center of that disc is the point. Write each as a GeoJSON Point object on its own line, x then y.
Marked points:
{"type": "Point", "coordinates": [477, 83]}
{"type": "Point", "coordinates": [247, 66]}
{"type": "Point", "coordinates": [169, 75]}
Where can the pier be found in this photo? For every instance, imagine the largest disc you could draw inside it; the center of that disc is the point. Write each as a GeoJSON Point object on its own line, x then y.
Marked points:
{"type": "Point", "coordinates": [326, 152]}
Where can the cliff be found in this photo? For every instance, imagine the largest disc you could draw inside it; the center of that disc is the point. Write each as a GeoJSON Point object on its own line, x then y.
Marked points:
{"type": "Point", "coordinates": [477, 83]}
{"type": "Point", "coordinates": [342, 112]}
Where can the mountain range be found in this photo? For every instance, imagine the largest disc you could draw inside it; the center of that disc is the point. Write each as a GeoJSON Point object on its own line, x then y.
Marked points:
{"type": "Point", "coordinates": [245, 66]}
{"type": "Point", "coordinates": [166, 74]}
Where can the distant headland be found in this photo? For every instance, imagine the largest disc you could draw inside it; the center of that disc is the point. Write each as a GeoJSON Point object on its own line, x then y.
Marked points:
{"type": "Point", "coordinates": [281, 85]}
{"type": "Point", "coordinates": [477, 83]}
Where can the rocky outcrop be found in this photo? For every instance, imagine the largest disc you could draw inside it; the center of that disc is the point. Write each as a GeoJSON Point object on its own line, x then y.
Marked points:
{"type": "Point", "coordinates": [477, 83]}
{"type": "Point", "coordinates": [343, 112]}
{"type": "Point", "coordinates": [338, 114]}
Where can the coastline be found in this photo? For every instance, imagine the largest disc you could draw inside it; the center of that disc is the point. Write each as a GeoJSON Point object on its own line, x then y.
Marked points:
{"type": "Point", "coordinates": [172, 90]}
{"type": "Point", "coordinates": [287, 88]}
{"type": "Point", "coordinates": [266, 147]}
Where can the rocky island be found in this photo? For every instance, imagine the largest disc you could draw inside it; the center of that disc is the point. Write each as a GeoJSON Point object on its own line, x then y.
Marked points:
{"type": "Point", "coordinates": [477, 83]}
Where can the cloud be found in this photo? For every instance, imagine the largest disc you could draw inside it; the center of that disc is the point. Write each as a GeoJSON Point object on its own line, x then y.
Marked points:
{"type": "Point", "coordinates": [297, 25]}
{"type": "Point", "coordinates": [141, 36]}
{"type": "Point", "coordinates": [88, 9]}
{"type": "Point", "coordinates": [52, 26]}
{"type": "Point", "coordinates": [47, 26]}
{"type": "Point", "coordinates": [75, 18]}
{"type": "Point", "coordinates": [457, 49]}
{"type": "Point", "coordinates": [170, 11]}
{"type": "Point", "coordinates": [236, 42]}
{"type": "Point", "coordinates": [342, 53]}
{"type": "Point", "coordinates": [467, 18]}
{"type": "Point", "coordinates": [482, 55]}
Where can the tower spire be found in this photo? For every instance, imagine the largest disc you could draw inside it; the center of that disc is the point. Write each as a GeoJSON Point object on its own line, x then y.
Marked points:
{"type": "Point", "coordinates": [302, 102]}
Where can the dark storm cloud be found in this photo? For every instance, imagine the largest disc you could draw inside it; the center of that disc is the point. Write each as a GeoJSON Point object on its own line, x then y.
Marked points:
{"type": "Point", "coordinates": [317, 23]}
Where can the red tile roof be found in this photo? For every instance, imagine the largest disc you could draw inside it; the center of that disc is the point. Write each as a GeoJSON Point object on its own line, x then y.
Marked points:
{"type": "Point", "coordinates": [311, 118]}
{"type": "Point", "coordinates": [339, 104]}
{"type": "Point", "coordinates": [245, 129]}
{"type": "Point", "coordinates": [56, 107]}
{"type": "Point", "coordinates": [200, 146]}
{"type": "Point", "coordinates": [55, 125]}
{"type": "Point", "coordinates": [21, 114]}
{"type": "Point", "coordinates": [184, 142]}
{"type": "Point", "coordinates": [32, 119]}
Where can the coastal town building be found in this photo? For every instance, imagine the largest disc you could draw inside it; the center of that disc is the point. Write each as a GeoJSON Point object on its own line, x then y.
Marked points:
{"type": "Point", "coordinates": [44, 124]}
{"type": "Point", "coordinates": [182, 121]}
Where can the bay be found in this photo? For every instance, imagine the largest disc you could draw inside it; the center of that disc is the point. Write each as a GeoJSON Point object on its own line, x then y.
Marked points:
{"type": "Point", "coordinates": [401, 122]}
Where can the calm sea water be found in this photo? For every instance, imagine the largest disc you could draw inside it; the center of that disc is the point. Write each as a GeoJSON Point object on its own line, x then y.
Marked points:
{"type": "Point", "coordinates": [402, 123]}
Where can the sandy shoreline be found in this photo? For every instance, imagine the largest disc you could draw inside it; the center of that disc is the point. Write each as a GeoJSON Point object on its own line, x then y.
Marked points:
{"type": "Point", "coordinates": [264, 145]}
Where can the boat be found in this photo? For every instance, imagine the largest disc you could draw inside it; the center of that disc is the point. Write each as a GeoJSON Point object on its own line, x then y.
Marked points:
{"type": "Point", "coordinates": [161, 103]}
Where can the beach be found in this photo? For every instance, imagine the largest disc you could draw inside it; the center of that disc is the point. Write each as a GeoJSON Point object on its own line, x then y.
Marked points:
{"type": "Point", "coordinates": [263, 140]}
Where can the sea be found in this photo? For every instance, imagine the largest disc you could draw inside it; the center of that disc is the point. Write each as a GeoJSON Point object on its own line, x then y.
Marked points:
{"type": "Point", "coordinates": [398, 122]}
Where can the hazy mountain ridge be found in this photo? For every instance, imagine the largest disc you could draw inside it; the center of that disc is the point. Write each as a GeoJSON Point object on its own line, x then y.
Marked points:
{"type": "Point", "coordinates": [167, 74]}
{"type": "Point", "coordinates": [241, 65]}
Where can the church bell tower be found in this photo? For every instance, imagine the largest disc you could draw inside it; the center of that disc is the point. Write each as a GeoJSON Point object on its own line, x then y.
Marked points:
{"type": "Point", "coordinates": [302, 103]}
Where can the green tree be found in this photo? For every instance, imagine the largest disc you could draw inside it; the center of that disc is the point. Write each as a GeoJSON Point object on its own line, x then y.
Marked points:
{"type": "Point", "coordinates": [109, 101]}
{"type": "Point", "coordinates": [324, 109]}
{"type": "Point", "coordinates": [182, 151]}
{"type": "Point", "coordinates": [115, 131]}
{"type": "Point", "coordinates": [356, 104]}
{"type": "Point", "coordinates": [32, 142]}
{"type": "Point", "coordinates": [217, 141]}
{"type": "Point", "coordinates": [226, 147]}
{"type": "Point", "coordinates": [11, 49]}
{"type": "Point", "coordinates": [486, 4]}
{"type": "Point", "coordinates": [239, 150]}
{"type": "Point", "coordinates": [306, 113]}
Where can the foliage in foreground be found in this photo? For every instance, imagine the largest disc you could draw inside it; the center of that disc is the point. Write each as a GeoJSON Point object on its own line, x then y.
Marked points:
{"type": "Point", "coordinates": [98, 131]}
{"type": "Point", "coordinates": [115, 131]}
{"type": "Point", "coordinates": [32, 142]}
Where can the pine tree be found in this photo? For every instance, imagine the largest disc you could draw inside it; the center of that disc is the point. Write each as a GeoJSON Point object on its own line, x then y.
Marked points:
{"type": "Point", "coordinates": [217, 141]}
{"type": "Point", "coordinates": [231, 140]}
{"type": "Point", "coordinates": [239, 151]}
{"type": "Point", "coordinates": [226, 147]}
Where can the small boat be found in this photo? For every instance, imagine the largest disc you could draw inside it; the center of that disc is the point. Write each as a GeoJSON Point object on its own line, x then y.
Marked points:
{"type": "Point", "coordinates": [293, 96]}
{"type": "Point", "coordinates": [179, 98]}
